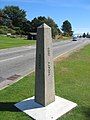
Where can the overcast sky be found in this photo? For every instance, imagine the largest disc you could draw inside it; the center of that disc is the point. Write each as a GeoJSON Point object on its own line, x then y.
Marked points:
{"type": "Point", "coordinates": [76, 11]}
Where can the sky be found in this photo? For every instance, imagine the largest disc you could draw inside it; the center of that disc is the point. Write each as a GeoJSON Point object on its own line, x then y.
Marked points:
{"type": "Point", "coordinates": [76, 11]}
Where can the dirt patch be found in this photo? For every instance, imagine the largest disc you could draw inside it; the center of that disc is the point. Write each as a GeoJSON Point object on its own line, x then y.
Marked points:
{"type": "Point", "coordinates": [63, 57]}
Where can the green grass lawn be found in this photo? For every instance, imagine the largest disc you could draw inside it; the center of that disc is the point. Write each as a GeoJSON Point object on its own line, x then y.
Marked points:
{"type": "Point", "coordinates": [8, 42]}
{"type": "Point", "coordinates": [72, 81]}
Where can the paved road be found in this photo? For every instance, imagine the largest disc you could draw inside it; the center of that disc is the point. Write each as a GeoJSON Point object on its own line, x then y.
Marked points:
{"type": "Point", "coordinates": [17, 62]}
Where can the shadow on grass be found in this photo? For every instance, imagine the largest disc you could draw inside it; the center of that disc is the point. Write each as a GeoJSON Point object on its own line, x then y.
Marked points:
{"type": "Point", "coordinates": [8, 106]}
{"type": "Point", "coordinates": [86, 111]}
{"type": "Point", "coordinates": [23, 105]}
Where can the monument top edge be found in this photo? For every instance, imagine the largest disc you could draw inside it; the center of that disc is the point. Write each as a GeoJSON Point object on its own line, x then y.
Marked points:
{"type": "Point", "coordinates": [44, 25]}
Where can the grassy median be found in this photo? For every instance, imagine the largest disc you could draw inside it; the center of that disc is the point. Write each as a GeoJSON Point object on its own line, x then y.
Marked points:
{"type": "Point", "coordinates": [72, 81]}
{"type": "Point", "coordinates": [8, 42]}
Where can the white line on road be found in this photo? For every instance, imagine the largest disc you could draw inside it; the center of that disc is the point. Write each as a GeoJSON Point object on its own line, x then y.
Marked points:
{"type": "Point", "coordinates": [11, 58]}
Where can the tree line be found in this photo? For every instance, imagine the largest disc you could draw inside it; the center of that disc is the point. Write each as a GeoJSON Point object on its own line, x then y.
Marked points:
{"type": "Point", "coordinates": [86, 35]}
{"type": "Point", "coordinates": [13, 20]}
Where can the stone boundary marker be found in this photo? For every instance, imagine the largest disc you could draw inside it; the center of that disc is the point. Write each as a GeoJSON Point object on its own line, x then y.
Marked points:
{"type": "Point", "coordinates": [45, 105]}
{"type": "Point", "coordinates": [44, 82]}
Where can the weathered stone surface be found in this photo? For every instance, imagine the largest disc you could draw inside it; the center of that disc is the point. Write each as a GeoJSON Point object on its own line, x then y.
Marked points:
{"type": "Point", "coordinates": [44, 74]}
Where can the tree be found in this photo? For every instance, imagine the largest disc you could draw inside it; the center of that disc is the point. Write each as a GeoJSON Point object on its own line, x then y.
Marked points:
{"type": "Point", "coordinates": [15, 14]}
{"type": "Point", "coordinates": [37, 22]}
{"type": "Point", "coordinates": [49, 21]}
{"type": "Point", "coordinates": [17, 17]}
{"type": "Point", "coordinates": [54, 26]}
{"type": "Point", "coordinates": [67, 28]}
{"type": "Point", "coordinates": [84, 35]}
{"type": "Point", "coordinates": [1, 17]}
{"type": "Point", "coordinates": [4, 20]}
{"type": "Point", "coordinates": [26, 27]}
{"type": "Point", "coordinates": [88, 35]}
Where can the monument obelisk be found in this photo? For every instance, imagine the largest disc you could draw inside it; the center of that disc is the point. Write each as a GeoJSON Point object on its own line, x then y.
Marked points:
{"type": "Point", "coordinates": [44, 76]}
{"type": "Point", "coordinates": [38, 107]}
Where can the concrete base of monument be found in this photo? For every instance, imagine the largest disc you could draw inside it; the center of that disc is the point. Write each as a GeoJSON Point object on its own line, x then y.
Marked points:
{"type": "Point", "coordinates": [51, 112]}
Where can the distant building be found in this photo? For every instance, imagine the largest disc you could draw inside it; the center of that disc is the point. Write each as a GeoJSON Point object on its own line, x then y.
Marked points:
{"type": "Point", "coordinates": [32, 36]}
